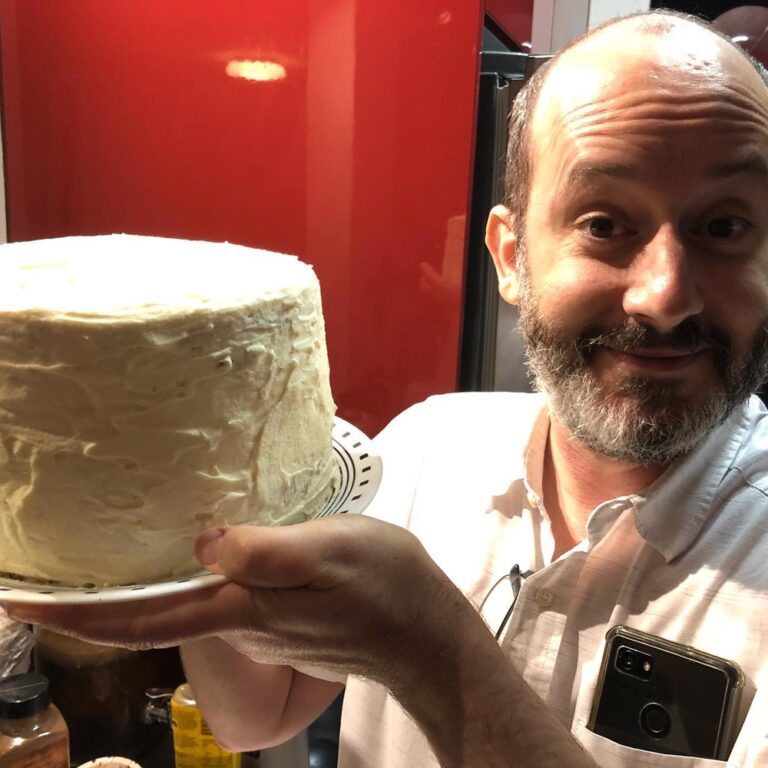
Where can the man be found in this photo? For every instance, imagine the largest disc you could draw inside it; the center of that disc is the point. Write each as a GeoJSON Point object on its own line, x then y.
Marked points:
{"type": "Point", "coordinates": [635, 240]}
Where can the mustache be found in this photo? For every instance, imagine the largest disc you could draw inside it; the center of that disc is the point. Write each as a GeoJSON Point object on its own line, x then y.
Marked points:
{"type": "Point", "coordinates": [690, 335]}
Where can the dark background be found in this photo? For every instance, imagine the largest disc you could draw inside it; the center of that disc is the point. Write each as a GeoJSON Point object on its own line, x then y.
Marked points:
{"type": "Point", "coordinates": [708, 9]}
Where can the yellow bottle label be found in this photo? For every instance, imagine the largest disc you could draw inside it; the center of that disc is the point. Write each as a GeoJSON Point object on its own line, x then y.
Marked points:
{"type": "Point", "coordinates": [194, 745]}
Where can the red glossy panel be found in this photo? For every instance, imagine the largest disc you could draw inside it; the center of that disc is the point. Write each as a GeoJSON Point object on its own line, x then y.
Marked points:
{"type": "Point", "coordinates": [515, 17]}
{"type": "Point", "coordinates": [124, 116]}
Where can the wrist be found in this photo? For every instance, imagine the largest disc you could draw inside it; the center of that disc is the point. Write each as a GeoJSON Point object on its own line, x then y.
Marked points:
{"type": "Point", "coordinates": [472, 704]}
{"type": "Point", "coordinates": [450, 671]}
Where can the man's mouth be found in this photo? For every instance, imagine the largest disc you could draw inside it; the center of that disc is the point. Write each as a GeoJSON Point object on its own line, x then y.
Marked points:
{"type": "Point", "coordinates": [661, 351]}
{"type": "Point", "coordinates": [661, 359]}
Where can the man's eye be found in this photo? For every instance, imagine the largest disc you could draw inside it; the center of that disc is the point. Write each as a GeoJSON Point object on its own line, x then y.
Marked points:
{"type": "Point", "coordinates": [601, 227]}
{"type": "Point", "coordinates": [726, 227]}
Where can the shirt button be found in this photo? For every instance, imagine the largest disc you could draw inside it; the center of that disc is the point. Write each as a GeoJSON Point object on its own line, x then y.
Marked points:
{"type": "Point", "coordinates": [544, 598]}
{"type": "Point", "coordinates": [533, 502]}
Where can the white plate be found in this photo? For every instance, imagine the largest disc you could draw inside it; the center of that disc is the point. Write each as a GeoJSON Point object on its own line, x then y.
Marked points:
{"type": "Point", "coordinates": [359, 470]}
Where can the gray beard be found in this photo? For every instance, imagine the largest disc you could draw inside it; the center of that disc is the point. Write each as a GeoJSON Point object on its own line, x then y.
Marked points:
{"type": "Point", "coordinates": [643, 421]}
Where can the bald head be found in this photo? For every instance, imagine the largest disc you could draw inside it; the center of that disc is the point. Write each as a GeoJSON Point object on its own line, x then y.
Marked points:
{"type": "Point", "coordinates": [638, 179]}
{"type": "Point", "coordinates": [634, 57]}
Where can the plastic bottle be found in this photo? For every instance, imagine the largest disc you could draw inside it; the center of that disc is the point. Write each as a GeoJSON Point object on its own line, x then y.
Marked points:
{"type": "Point", "coordinates": [194, 744]}
{"type": "Point", "coordinates": [33, 733]}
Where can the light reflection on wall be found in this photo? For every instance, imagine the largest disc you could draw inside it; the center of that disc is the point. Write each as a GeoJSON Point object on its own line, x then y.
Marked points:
{"type": "Point", "coordinates": [260, 71]}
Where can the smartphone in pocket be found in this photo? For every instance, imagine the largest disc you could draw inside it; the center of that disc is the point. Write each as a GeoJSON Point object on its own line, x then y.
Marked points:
{"type": "Point", "coordinates": [661, 696]}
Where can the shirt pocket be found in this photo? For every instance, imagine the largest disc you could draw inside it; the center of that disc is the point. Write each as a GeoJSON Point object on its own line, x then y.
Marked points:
{"type": "Point", "coordinates": [609, 754]}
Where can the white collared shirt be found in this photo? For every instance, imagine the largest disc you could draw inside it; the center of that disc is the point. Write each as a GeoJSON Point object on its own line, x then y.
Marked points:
{"type": "Point", "coordinates": [686, 560]}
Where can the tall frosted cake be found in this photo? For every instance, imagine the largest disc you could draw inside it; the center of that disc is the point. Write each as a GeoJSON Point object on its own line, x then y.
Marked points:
{"type": "Point", "coordinates": [151, 388]}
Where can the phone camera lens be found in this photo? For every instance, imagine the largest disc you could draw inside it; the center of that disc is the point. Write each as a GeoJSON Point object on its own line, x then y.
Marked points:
{"type": "Point", "coordinates": [627, 660]}
{"type": "Point", "coordinates": [632, 662]}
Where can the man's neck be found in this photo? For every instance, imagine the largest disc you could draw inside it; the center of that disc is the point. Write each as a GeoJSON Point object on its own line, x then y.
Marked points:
{"type": "Point", "coordinates": [577, 479]}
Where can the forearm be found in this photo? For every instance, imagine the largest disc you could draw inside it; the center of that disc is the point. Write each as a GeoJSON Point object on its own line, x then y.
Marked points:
{"type": "Point", "coordinates": [250, 705]}
{"type": "Point", "coordinates": [476, 710]}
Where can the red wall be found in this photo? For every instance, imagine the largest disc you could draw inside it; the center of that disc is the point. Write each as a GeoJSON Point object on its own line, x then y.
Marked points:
{"type": "Point", "coordinates": [120, 117]}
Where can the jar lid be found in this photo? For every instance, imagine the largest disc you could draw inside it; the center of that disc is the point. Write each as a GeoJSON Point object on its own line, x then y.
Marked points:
{"type": "Point", "coordinates": [24, 695]}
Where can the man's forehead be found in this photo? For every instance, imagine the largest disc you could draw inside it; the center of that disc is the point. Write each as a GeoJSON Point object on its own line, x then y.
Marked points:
{"type": "Point", "coordinates": [683, 59]}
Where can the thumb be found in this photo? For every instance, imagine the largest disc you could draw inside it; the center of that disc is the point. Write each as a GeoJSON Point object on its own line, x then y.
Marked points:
{"type": "Point", "coordinates": [281, 557]}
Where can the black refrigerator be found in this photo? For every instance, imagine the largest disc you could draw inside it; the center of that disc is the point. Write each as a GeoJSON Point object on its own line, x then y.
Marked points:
{"type": "Point", "coordinates": [492, 351]}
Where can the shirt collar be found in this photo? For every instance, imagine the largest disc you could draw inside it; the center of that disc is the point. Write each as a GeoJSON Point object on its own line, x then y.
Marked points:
{"type": "Point", "coordinates": [533, 457]}
{"type": "Point", "coordinates": [672, 512]}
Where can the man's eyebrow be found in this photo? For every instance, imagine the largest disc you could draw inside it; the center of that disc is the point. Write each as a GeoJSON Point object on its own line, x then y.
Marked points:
{"type": "Point", "coordinates": [584, 174]}
{"type": "Point", "coordinates": [753, 164]}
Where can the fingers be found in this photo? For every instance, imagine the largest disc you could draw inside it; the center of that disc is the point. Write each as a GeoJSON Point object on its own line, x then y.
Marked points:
{"type": "Point", "coordinates": [251, 556]}
{"type": "Point", "coordinates": [288, 587]}
{"type": "Point", "coordinates": [141, 624]}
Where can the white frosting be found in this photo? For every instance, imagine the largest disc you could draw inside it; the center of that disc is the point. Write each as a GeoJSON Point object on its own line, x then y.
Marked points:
{"type": "Point", "coordinates": [151, 388]}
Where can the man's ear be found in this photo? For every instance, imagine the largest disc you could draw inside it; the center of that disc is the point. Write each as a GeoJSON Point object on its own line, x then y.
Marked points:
{"type": "Point", "coordinates": [502, 243]}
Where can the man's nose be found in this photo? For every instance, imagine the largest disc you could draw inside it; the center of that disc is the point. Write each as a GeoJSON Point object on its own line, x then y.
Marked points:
{"type": "Point", "coordinates": [662, 290]}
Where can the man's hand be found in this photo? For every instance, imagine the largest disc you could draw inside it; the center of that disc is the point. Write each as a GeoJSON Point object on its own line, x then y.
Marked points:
{"type": "Point", "coordinates": [348, 594]}
{"type": "Point", "coordinates": [352, 595]}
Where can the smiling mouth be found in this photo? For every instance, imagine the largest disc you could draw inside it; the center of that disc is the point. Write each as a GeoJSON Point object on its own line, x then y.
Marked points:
{"type": "Point", "coordinates": [661, 352]}
{"type": "Point", "coordinates": [663, 359]}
